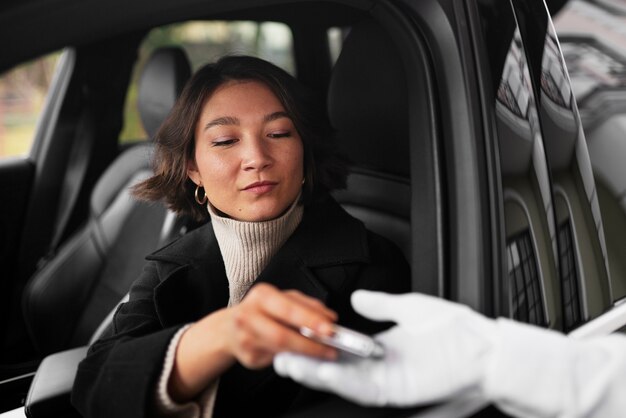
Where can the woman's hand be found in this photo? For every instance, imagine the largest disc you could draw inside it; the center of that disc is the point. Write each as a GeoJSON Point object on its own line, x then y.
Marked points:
{"type": "Point", "coordinates": [266, 322]}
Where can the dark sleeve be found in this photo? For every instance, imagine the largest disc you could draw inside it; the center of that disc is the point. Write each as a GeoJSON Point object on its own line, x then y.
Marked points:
{"type": "Point", "coordinates": [118, 377]}
{"type": "Point", "coordinates": [387, 271]}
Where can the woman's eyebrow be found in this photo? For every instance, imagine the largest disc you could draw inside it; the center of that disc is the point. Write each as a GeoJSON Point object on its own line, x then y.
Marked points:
{"type": "Point", "coordinates": [224, 120]}
{"type": "Point", "coordinates": [275, 115]}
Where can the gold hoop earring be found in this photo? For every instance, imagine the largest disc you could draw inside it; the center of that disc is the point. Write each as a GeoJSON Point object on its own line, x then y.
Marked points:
{"type": "Point", "coordinates": [196, 193]}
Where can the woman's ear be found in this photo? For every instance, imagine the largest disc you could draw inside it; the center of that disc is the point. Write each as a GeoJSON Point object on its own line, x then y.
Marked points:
{"type": "Point", "coordinates": [193, 173]}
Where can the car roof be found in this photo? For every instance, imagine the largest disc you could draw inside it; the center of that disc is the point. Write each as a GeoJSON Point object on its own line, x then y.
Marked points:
{"type": "Point", "coordinates": [33, 27]}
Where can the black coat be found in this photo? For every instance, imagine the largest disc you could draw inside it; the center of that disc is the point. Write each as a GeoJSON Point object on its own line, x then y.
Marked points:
{"type": "Point", "coordinates": [329, 255]}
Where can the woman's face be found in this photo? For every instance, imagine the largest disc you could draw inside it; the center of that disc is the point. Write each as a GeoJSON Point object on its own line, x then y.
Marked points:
{"type": "Point", "coordinates": [249, 156]}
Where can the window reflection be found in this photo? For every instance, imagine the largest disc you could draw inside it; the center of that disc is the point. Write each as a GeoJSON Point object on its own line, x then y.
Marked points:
{"type": "Point", "coordinates": [550, 196]}
{"type": "Point", "coordinates": [569, 277]}
{"type": "Point", "coordinates": [580, 223]}
{"type": "Point", "coordinates": [528, 208]}
{"type": "Point", "coordinates": [589, 36]}
{"type": "Point", "coordinates": [527, 303]}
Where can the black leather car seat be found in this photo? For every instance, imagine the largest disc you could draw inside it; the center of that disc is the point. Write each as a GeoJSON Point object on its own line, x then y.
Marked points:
{"type": "Point", "coordinates": [66, 300]}
{"type": "Point", "coordinates": [368, 106]}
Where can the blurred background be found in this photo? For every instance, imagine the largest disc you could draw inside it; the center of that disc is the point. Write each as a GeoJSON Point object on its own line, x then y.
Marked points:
{"type": "Point", "coordinates": [23, 89]}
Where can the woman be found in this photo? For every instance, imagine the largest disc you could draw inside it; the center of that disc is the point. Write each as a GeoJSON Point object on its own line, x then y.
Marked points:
{"type": "Point", "coordinates": [247, 146]}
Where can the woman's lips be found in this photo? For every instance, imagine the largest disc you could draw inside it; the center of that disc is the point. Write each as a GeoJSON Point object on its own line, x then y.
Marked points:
{"type": "Point", "coordinates": [260, 187]}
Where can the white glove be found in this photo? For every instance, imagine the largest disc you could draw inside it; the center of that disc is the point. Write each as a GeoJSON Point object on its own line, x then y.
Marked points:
{"type": "Point", "coordinates": [441, 350]}
{"type": "Point", "coordinates": [437, 350]}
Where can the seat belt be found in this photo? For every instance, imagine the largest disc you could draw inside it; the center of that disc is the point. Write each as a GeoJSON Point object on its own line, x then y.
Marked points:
{"type": "Point", "coordinates": [77, 165]}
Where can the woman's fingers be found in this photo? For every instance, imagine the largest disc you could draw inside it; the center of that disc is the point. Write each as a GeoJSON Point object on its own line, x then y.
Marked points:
{"type": "Point", "coordinates": [267, 321]}
{"type": "Point", "coordinates": [292, 309]}
{"type": "Point", "coordinates": [261, 334]}
{"type": "Point", "coordinates": [312, 303]}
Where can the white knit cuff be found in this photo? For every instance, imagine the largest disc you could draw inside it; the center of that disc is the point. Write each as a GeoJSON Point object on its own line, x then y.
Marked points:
{"type": "Point", "coordinates": [165, 405]}
{"type": "Point", "coordinates": [529, 370]}
{"type": "Point", "coordinates": [207, 399]}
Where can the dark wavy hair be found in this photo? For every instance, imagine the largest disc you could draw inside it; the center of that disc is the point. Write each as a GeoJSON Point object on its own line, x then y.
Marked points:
{"type": "Point", "coordinates": [175, 139]}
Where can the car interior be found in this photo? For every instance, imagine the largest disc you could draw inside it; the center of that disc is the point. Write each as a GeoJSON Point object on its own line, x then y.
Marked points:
{"type": "Point", "coordinates": [71, 296]}
{"type": "Point", "coordinates": [66, 300]}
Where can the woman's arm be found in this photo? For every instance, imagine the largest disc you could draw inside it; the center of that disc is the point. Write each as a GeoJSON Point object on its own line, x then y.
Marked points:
{"type": "Point", "coordinates": [263, 324]}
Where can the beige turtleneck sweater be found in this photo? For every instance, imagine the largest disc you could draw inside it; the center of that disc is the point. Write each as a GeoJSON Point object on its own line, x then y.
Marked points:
{"type": "Point", "coordinates": [247, 248]}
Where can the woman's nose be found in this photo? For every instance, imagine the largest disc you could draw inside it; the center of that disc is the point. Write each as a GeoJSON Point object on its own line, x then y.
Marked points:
{"type": "Point", "coordinates": [256, 155]}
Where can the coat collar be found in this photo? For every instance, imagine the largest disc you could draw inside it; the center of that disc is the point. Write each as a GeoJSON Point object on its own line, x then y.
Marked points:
{"type": "Point", "coordinates": [327, 235]}
{"type": "Point", "coordinates": [194, 283]}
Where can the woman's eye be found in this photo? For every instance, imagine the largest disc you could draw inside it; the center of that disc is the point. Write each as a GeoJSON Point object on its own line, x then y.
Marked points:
{"type": "Point", "coordinates": [279, 134]}
{"type": "Point", "coordinates": [224, 142]}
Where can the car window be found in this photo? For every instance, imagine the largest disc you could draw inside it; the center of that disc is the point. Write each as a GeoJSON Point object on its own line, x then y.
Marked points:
{"type": "Point", "coordinates": [580, 227]}
{"type": "Point", "coordinates": [23, 92]}
{"type": "Point", "coordinates": [593, 39]}
{"type": "Point", "coordinates": [585, 285]}
{"type": "Point", "coordinates": [554, 230]}
{"type": "Point", "coordinates": [203, 42]}
{"type": "Point", "coordinates": [530, 283]}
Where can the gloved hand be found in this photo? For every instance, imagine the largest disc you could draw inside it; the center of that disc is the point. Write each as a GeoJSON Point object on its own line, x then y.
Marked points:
{"type": "Point", "coordinates": [441, 350]}
{"type": "Point", "coordinates": [437, 350]}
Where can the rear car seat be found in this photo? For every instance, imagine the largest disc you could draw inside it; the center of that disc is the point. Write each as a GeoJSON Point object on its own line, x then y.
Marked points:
{"type": "Point", "coordinates": [68, 298]}
{"type": "Point", "coordinates": [67, 302]}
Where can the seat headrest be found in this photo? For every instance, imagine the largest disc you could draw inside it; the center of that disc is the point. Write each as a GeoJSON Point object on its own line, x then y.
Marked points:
{"type": "Point", "coordinates": [162, 79]}
{"type": "Point", "coordinates": [368, 103]}
{"type": "Point", "coordinates": [130, 167]}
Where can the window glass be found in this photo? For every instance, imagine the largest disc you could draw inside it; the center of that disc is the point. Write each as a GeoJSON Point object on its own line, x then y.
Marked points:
{"type": "Point", "coordinates": [525, 282]}
{"type": "Point", "coordinates": [612, 6]}
{"type": "Point", "coordinates": [592, 39]}
{"type": "Point", "coordinates": [580, 171]}
{"type": "Point", "coordinates": [529, 228]}
{"type": "Point", "coordinates": [205, 42]}
{"type": "Point", "coordinates": [580, 224]}
{"type": "Point", "coordinates": [531, 284]}
{"type": "Point", "coordinates": [572, 311]}
{"type": "Point", "coordinates": [22, 95]}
